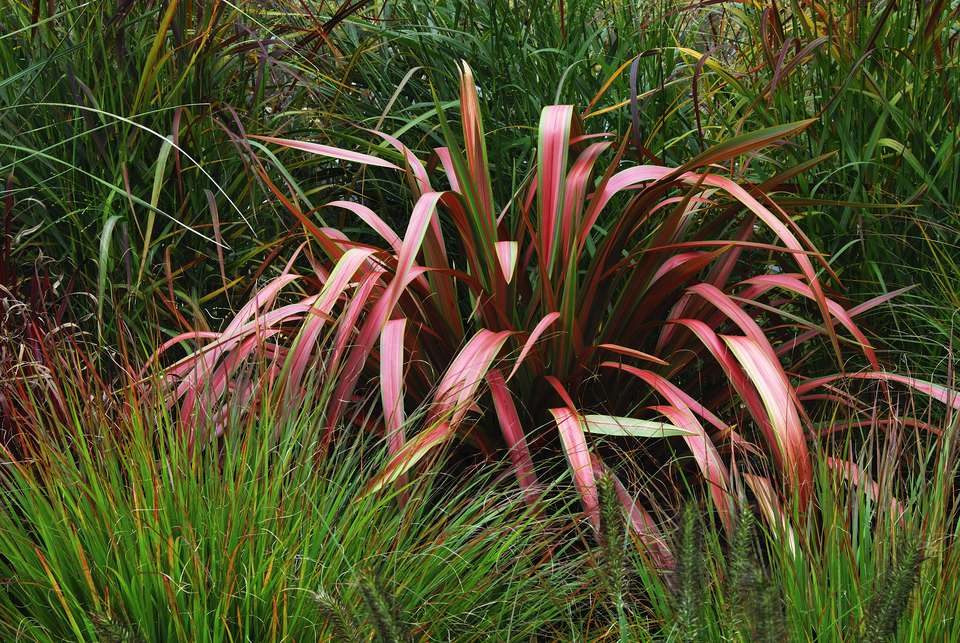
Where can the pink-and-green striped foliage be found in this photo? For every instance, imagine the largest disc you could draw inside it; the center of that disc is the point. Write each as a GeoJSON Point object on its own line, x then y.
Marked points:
{"type": "Point", "coordinates": [603, 286]}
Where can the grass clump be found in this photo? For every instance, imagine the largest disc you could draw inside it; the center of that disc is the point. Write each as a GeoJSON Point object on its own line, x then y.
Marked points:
{"type": "Point", "coordinates": [123, 533]}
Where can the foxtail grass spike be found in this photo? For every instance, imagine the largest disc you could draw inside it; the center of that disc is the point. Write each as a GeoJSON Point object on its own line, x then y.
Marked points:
{"type": "Point", "coordinates": [110, 629]}
{"type": "Point", "coordinates": [691, 577]}
{"type": "Point", "coordinates": [756, 609]}
{"type": "Point", "coordinates": [613, 546]}
{"type": "Point", "coordinates": [612, 530]}
{"type": "Point", "coordinates": [342, 624]}
{"type": "Point", "coordinates": [382, 610]}
{"type": "Point", "coordinates": [893, 593]}
{"type": "Point", "coordinates": [741, 570]}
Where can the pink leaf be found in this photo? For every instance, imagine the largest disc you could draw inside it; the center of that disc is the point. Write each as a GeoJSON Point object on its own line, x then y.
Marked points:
{"type": "Point", "coordinates": [444, 155]}
{"type": "Point", "coordinates": [538, 330]}
{"type": "Point", "coordinates": [630, 352]}
{"type": "Point", "coordinates": [554, 141]}
{"type": "Point", "coordinates": [474, 139]}
{"type": "Point", "coordinates": [507, 256]}
{"type": "Point", "coordinates": [733, 371]}
{"type": "Point", "coordinates": [734, 312]}
{"type": "Point", "coordinates": [326, 150]}
{"type": "Point", "coordinates": [333, 288]}
{"type": "Point", "coordinates": [391, 381]}
{"type": "Point", "coordinates": [419, 172]}
{"type": "Point", "coordinates": [457, 389]}
{"type": "Point", "coordinates": [779, 401]}
{"type": "Point", "coordinates": [575, 448]}
{"type": "Point", "coordinates": [347, 321]}
{"type": "Point", "coordinates": [370, 217]}
{"type": "Point", "coordinates": [576, 189]}
{"type": "Point", "coordinates": [513, 435]}
{"type": "Point", "coordinates": [410, 454]}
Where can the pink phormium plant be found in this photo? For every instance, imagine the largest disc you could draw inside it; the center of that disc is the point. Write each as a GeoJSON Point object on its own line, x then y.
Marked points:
{"type": "Point", "coordinates": [602, 286]}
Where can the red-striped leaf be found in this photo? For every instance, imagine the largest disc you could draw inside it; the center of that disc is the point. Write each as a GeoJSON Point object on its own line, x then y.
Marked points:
{"type": "Point", "coordinates": [409, 455]}
{"type": "Point", "coordinates": [779, 401]}
{"type": "Point", "coordinates": [680, 414]}
{"type": "Point", "coordinates": [631, 352]}
{"type": "Point", "coordinates": [391, 381]}
{"type": "Point", "coordinates": [538, 330]}
{"type": "Point", "coordinates": [326, 150]}
{"type": "Point", "coordinates": [513, 435]}
{"type": "Point", "coordinates": [554, 143]}
{"type": "Point", "coordinates": [507, 255]}
{"type": "Point", "coordinates": [570, 426]}
{"type": "Point", "coordinates": [457, 389]}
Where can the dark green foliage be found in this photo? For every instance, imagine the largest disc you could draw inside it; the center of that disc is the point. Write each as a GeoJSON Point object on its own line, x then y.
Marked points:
{"type": "Point", "coordinates": [110, 629]}
{"type": "Point", "coordinates": [382, 609]}
{"type": "Point", "coordinates": [692, 579]}
{"type": "Point", "coordinates": [613, 542]}
{"type": "Point", "coordinates": [529, 54]}
{"type": "Point", "coordinates": [756, 603]}
{"type": "Point", "coordinates": [892, 592]}
{"type": "Point", "coordinates": [93, 97]}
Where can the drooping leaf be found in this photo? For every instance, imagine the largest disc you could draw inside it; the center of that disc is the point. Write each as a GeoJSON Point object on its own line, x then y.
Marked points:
{"type": "Point", "coordinates": [538, 330]}
{"type": "Point", "coordinates": [570, 426]}
{"type": "Point", "coordinates": [631, 427]}
{"type": "Point", "coordinates": [513, 435]}
{"type": "Point", "coordinates": [679, 413]}
{"type": "Point", "coordinates": [779, 400]}
{"type": "Point", "coordinates": [328, 151]}
{"type": "Point", "coordinates": [640, 521]}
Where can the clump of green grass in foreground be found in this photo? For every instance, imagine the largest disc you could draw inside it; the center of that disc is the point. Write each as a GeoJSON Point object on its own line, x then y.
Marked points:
{"type": "Point", "coordinates": [122, 534]}
{"type": "Point", "coordinates": [875, 562]}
